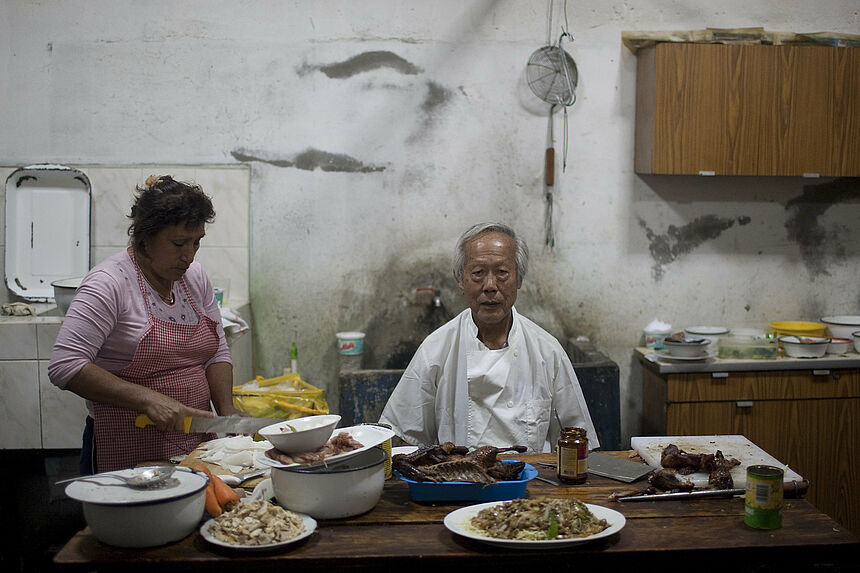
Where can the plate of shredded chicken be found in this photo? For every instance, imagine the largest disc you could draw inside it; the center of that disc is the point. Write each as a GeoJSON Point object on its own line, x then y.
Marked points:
{"type": "Point", "coordinates": [535, 523]}
{"type": "Point", "coordinates": [257, 525]}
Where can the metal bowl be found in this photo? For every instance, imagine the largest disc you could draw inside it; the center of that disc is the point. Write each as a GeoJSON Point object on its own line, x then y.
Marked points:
{"type": "Point", "coordinates": [64, 292]}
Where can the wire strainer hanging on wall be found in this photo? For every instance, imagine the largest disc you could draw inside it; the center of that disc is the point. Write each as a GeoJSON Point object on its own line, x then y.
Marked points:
{"type": "Point", "coordinates": [552, 75]}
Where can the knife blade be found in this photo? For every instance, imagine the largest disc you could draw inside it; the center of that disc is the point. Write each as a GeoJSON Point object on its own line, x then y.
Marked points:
{"type": "Point", "coordinates": [684, 495]}
{"type": "Point", "coordinates": [216, 425]}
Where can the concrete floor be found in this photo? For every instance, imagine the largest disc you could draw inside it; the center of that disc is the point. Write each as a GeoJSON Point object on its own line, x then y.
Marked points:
{"type": "Point", "coordinates": [37, 517]}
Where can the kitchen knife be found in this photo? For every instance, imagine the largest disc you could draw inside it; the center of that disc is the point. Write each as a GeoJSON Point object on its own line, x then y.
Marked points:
{"type": "Point", "coordinates": [684, 495]}
{"type": "Point", "coordinates": [216, 425]}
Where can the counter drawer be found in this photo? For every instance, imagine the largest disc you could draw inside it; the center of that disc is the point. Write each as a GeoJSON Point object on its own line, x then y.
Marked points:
{"type": "Point", "coordinates": [772, 385]}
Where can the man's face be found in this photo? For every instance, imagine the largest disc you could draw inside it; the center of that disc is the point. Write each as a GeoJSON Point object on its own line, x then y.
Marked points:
{"type": "Point", "coordinates": [490, 280]}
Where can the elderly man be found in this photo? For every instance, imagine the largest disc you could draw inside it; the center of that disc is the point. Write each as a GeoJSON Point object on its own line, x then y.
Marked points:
{"type": "Point", "coordinates": [490, 376]}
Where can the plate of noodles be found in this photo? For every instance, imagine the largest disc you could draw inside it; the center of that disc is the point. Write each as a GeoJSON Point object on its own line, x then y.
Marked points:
{"type": "Point", "coordinates": [272, 526]}
{"type": "Point", "coordinates": [535, 523]}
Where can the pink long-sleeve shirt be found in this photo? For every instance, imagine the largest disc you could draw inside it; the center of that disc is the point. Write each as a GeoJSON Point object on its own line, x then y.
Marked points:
{"type": "Point", "coordinates": [107, 317]}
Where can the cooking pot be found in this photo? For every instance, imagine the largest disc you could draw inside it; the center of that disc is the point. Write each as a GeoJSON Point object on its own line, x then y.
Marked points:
{"type": "Point", "coordinates": [344, 488]}
{"type": "Point", "coordinates": [125, 517]}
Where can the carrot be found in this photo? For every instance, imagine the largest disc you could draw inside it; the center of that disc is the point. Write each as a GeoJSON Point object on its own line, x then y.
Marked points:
{"type": "Point", "coordinates": [223, 493]}
{"type": "Point", "coordinates": [213, 508]}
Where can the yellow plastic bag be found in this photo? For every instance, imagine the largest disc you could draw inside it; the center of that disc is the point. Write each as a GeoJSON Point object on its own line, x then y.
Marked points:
{"type": "Point", "coordinates": [284, 397]}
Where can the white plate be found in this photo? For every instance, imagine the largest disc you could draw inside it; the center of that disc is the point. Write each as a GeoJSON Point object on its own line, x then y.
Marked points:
{"type": "Point", "coordinates": [405, 450]}
{"type": "Point", "coordinates": [457, 522]}
{"type": "Point", "coordinates": [309, 525]}
{"type": "Point", "coordinates": [667, 356]}
{"type": "Point", "coordinates": [368, 435]}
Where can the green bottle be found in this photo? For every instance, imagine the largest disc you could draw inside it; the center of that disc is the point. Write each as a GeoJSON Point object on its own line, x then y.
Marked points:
{"type": "Point", "coordinates": [294, 359]}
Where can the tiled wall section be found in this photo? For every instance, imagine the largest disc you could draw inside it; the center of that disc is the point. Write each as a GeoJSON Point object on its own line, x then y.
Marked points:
{"type": "Point", "coordinates": [224, 251]}
{"type": "Point", "coordinates": [33, 412]}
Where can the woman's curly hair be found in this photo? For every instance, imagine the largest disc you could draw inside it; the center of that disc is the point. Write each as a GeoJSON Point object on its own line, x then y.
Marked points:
{"type": "Point", "coordinates": [164, 202]}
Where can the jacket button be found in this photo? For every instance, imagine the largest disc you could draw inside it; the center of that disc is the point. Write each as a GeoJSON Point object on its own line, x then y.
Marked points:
{"type": "Point", "coordinates": [510, 404]}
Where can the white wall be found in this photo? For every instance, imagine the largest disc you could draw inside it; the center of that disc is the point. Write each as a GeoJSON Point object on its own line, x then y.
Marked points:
{"type": "Point", "coordinates": [434, 130]}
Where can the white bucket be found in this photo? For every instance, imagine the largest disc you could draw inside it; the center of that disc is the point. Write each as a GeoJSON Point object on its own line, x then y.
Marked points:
{"type": "Point", "coordinates": [350, 343]}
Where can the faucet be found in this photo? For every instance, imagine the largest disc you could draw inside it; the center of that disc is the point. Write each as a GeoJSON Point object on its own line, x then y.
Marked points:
{"type": "Point", "coordinates": [428, 295]}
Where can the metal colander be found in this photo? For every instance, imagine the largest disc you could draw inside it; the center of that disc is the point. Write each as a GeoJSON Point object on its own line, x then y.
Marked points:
{"type": "Point", "coordinates": [552, 75]}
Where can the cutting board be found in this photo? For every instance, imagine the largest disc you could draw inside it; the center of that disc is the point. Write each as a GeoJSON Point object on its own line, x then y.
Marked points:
{"type": "Point", "coordinates": [650, 449]}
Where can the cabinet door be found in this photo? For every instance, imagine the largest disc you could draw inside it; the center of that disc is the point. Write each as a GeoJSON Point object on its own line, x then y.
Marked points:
{"type": "Point", "coordinates": [20, 426]}
{"type": "Point", "coordinates": [748, 110]}
{"type": "Point", "coordinates": [816, 438]}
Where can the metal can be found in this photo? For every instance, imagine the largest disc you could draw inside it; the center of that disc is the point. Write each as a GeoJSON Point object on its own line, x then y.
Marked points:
{"type": "Point", "coordinates": [763, 500]}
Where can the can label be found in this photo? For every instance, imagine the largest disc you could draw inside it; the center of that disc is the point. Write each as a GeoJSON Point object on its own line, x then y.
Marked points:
{"type": "Point", "coordinates": [763, 499]}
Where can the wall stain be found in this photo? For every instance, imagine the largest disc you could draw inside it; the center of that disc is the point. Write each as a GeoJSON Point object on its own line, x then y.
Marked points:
{"type": "Point", "coordinates": [677, 241]}
{"type": "Point", "coordinates": [361, 63]}
{"type": "Point", "coordinates": [819, 245]}
{"type": "Point", "coordinates": [311, 159]}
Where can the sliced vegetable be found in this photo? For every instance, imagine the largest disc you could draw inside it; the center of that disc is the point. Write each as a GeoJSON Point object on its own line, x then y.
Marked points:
{"type": "Point", "coordinates": [552, 530]}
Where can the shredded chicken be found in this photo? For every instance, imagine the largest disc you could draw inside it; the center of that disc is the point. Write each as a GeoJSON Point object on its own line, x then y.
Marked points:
{"type": "Point", "coordinates": [537, 519]}
{"type": "Point", "coordinates": [256, 523]}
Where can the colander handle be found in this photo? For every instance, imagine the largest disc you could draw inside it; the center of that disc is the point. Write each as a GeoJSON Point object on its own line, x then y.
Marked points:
{"type": "Point", "coordinates": [550, 166]}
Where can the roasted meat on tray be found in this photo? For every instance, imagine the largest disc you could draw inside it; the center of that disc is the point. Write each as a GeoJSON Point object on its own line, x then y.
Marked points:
{"type": "Point", "coordinates": [449, 462]}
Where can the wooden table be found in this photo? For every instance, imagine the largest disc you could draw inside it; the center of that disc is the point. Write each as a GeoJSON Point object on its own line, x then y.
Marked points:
{"type": "Point", "coordinates": [399, 534]}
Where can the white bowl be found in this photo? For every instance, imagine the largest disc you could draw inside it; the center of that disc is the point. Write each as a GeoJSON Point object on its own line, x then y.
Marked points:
{"type": "Point", "coordinates": [841, 326]}
{"type": "Point", "coordinates": [712, 333]}
{"type": "Point", "coordinates": [302, 434]}
{"type": "Point", "coordinates": [687, 349]}
{"type": "Point", "coordinates": [121, 516]}
{"type": "Point", "coordinates": [839, 345]}
{"type": "Point", "coordinates": [64, 292]}
{"type": "Point", "coordinates": [345, 488]}
{"type": "Point", "coordinates": [804, 346]}
{"type": "Point", "coordinates": [856, 336]}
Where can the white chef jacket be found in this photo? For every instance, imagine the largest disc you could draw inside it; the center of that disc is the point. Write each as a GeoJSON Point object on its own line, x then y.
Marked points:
{"type": "Point", "coordinates": [457, 390]}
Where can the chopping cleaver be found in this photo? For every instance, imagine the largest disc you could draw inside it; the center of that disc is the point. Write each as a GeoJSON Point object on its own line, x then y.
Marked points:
{"type": "Point", "coordinates": [216, 425]}
{"type": "Point", "coordinates": [620, 469]}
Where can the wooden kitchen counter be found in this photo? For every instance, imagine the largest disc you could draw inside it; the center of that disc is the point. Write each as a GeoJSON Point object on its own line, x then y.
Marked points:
{"type": "Point", "coordinates": [399, 534]}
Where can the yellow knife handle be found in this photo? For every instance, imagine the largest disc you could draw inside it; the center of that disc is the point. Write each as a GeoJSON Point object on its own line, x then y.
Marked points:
{"type": "Point", "coordinates": [143, 421]}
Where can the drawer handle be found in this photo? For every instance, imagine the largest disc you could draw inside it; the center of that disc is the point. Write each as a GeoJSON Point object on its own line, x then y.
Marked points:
{"type": "Point", "coordinates": [820, 372]}
{"type": "Point", "coordinates": [744, 403]}
{"type": "Point", "coordinates": [719, 374]}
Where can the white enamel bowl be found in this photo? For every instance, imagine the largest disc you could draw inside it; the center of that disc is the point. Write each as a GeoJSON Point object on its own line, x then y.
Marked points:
{"type": "Point", "coordinates": [804, 346]}
{"type": "Point", "coordinates": [301, 434]}
{"type": "Point", "coordinates": [856, 336]}
{"type": "Point", "coordinates": [842, 326]}
{"type": "Point", "coordinates": [687, 349]}
{"type": "Point", "coordinates": [839, 346]}
{"type": "Point", "coordinates": [343, 489]}
{"type": "Point", "coordinates": [64, 292]}
{"type": "Point", "coordinates": [126, 517]}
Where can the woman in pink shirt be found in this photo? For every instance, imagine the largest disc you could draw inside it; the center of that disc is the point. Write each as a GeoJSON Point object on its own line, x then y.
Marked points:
{"type": "Point", "coordinates": [143, 335]}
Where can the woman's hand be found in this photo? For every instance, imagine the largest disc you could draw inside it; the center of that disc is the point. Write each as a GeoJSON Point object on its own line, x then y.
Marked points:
{"type": "Point", "coordinates": [169, 415]}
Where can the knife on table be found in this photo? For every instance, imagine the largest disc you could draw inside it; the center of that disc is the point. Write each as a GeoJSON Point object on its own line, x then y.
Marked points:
{"type": "Point", "coordinates": [216, 425]}
{"type": "Point", "coordinates": [684, 495]}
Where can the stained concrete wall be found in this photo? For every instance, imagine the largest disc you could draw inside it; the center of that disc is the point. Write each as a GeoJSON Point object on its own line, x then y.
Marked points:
{"type": "Point", "coordinates": [377, 131]}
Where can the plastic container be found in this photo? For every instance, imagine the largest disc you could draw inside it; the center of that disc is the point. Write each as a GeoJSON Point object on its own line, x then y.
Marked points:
{"type": "Point", "coordinates": [747, 348]}
{"type": "Point", "coordinates": [798, 328]}
{"type": "Point", "coordinates": [463, 491]}
{"type": "Point", "coordinates": [350, 343]}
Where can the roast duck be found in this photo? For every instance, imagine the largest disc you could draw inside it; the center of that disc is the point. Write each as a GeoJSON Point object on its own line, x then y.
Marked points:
{"type": "Point", "coordinates": [677, 463]}
{"type": "Point", "coordinates": [449, 462]}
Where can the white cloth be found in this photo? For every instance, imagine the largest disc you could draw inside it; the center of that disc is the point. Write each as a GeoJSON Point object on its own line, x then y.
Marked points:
{"type": "Point", "coordinates": [457, 390]}
{"type": "Point", "coordinates": [233, 324]}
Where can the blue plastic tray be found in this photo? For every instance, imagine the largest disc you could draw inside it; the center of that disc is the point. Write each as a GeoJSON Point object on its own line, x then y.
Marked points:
{"type": "Point", "coordinates": [464, 491]}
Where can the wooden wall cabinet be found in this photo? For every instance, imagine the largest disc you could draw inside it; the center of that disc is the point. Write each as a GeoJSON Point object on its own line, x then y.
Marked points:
{"type": "Point", "coordinates": [809, 420]}
{"type": "Point", "coordinates": [716, 109]}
